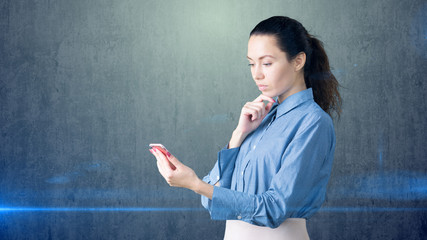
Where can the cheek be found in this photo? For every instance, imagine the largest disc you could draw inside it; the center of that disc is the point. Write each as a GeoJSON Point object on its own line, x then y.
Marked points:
{"type": "Point", "coordinates": [281, 75]}
{"type": "Point", "coordinates": [287, 70]}
{"type": "Point", "coordinates": [286, 73]}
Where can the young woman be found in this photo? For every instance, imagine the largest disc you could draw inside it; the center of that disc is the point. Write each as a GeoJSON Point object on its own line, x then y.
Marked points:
{"type": "Point", "coordinates": [272, 175]}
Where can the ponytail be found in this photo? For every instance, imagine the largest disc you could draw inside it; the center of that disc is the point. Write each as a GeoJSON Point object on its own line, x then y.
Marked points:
{"type": "Point", "coordinates": [318, 76]}
{"type": "Point", "coordinates": [292, 39]}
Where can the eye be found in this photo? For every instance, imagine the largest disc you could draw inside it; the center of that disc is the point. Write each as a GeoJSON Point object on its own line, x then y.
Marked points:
{"type": "Point", "coordinates": [250, 64]}
{"type": "Point", "coordinates": [267, 64]}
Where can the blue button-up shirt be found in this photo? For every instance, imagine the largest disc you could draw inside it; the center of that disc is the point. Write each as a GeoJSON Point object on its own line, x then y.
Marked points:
{"type": "Point", "coordinates": [281, 170]}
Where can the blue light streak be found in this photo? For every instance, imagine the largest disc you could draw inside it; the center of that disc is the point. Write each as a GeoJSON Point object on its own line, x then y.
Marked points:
{"type": "Point", "coordinates": [95, 209]}
{"type": "Point", "coordinates": [136, 209]}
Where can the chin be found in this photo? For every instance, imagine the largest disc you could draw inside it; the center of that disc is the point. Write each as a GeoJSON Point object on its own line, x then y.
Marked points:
{"type": "Point", "coordinates": [269, 94]}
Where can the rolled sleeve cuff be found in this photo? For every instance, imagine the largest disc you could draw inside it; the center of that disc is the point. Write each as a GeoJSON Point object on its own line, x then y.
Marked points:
{"type": "Point", "coordinates": [230, 205]}
{"type": "Point", "coordinates": [224, 167]}
{"type": "Point", "coordinates": [222, 172]}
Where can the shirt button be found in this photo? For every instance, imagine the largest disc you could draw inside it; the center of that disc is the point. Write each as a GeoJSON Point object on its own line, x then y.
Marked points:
{"type": "Point", "coordinates": [239, 217]}
{"type": "Point", "coordinates": [254, 146]}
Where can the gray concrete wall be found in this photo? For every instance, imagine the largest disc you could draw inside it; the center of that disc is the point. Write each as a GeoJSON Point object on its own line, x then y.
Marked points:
{"type": "Point", "coordinates": [86, 85]}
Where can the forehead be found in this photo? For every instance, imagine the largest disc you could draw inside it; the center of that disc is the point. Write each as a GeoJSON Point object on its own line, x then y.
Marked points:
{"type": "Point", "coordinates": [260, 45]}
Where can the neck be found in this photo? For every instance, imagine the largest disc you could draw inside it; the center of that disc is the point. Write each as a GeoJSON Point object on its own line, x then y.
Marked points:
{"type": "Point", "coordinates": [294, 89]}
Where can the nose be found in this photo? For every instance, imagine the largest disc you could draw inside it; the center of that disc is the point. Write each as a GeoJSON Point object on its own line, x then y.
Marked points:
{"type": "Point", "coordinates": [257, 73]}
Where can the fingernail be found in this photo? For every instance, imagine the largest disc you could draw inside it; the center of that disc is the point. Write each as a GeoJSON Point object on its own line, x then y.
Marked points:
{"type": "Point", "coordinates": [169, 154]}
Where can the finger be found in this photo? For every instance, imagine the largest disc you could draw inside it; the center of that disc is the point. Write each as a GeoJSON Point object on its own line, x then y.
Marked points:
{"type": "Point", "coordinates": [164, 173]}
{"type": "Point", "coordinates": [175, 161]}
{"type": "Point", "coordinates": [160, 163]}
{"type": "Point", "coordinates": [262, 97]}
{"type": "Point", "coordinates": [160, 167]}
{"type": "Point", "coordinates": [162, 150]}
{"type": "Point", "coordinates": [164, 160]}
{"type": "Point", "coordinates": [250, 112]}
{"type": "Point", "coordinates": [158, 155]}
{"type": "Point", "coordinates": [152, 152]}
{"type": "Point", "coordinates": [258, 106]}
{"type": "Point", "coordinates": [256, 110]}
{"type": "Point", "coordinates": [167, 156]}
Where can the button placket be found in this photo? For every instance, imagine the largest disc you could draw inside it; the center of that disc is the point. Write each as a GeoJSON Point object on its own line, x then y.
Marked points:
{"type": "Point", "coordinates": [240, 180]}
{"type": "Point", "coordinates": [242, 173]}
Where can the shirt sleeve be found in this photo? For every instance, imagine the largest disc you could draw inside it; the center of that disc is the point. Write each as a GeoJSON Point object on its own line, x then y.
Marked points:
{"type": "Point", "coordinates": [221, 172]}
{"type": "Point", "coordinates": [297, 190]}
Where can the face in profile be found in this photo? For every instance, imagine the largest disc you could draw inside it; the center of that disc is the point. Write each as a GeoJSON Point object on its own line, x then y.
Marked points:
{"type": "Point", "coordinates": [272, 72]}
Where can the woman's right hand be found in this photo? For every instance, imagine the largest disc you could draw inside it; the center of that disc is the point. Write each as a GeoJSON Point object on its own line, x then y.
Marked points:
{"type": "Point", "coordinates": [253, 113]}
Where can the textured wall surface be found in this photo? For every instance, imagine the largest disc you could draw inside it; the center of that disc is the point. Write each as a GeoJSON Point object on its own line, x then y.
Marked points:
{"type": "Point", "coordinates": [86, 85]}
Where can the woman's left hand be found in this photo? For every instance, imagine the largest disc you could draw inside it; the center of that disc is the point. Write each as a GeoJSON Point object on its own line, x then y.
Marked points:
{"type": "Point", "coordinates": [181, 176]}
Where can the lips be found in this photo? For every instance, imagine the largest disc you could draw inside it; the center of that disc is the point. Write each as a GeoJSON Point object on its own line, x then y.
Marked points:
{"type": "Point", "coordinates": [262, 87]}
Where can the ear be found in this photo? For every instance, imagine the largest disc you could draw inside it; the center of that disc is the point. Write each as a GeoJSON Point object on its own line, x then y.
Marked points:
{"type": "Point", "coordinates": [299, 61]}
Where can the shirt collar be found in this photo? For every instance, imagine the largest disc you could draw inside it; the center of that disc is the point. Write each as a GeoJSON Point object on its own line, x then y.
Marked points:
{"type": "Point", "coordinates": [293, 101]}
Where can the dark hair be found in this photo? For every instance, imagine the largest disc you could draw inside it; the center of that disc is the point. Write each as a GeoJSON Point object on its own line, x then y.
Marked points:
{"type": "Point", "coordinates": [292, 39]}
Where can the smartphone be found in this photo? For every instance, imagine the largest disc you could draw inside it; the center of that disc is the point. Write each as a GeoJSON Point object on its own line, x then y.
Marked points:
{"type": "Point", "coordinates": [163, 149]}
{"type": "Point", "coordinates": [160, 147]}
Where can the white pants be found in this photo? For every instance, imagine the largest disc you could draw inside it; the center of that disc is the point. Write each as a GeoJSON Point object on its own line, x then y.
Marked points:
{"type": "Point", "coordinates": [290, 229]}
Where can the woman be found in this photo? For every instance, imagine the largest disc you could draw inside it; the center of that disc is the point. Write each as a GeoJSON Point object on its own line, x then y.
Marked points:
{"type": "Point", "coordinates": [273, 173]}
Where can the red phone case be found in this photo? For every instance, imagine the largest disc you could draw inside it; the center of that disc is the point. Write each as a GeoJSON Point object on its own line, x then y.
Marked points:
{"type": "Point", "coordinates": [165, 152]}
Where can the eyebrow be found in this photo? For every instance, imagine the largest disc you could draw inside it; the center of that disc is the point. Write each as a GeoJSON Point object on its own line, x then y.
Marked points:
{"type": "Point", "coordinates": [261, 57]}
